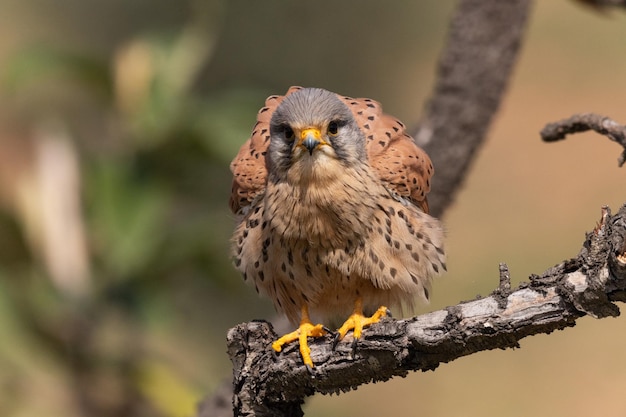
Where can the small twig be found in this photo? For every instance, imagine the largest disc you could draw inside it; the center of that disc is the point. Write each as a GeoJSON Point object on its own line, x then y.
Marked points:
{"type": "Point", "coordinates": [603, 5]}
{"type": "Point", "coordinates": [505, 279]}
{"type": "Point", "coordinates": [503, 291]}
{"type": "Point", "coordinates": [584, 122]}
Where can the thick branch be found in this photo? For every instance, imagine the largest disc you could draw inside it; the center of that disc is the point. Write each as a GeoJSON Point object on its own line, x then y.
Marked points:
{"type": "Point", "coordinates": [584, 122]}
{"type": "Point", "coordinates": [483, 43]}
{"type": "Point", "coordinates": [266, 384]}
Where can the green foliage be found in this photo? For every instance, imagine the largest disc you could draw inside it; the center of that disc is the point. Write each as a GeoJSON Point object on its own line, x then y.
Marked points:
{"type": "Point", "coordinates": [153, 153]}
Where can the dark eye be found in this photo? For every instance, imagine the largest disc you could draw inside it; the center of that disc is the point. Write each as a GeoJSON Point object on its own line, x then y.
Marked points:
{"type": "Point", "coordinates": [333, 128]}
{"type": "Point", "coordinates": [289, 135]}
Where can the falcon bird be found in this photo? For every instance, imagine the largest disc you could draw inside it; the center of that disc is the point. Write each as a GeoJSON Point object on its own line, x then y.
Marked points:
{"type": "Point", "coordinates": [330, 196]}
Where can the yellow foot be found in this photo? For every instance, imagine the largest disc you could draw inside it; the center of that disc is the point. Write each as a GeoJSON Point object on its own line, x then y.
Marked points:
{"type": "Point", "coordinates": [358, 321]}
{"type": "Point", "coordinates": [301, 334]}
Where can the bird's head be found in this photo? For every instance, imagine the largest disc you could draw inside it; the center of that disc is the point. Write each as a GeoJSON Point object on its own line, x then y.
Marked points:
{"type": "Point", "coordinates": [313, 134]}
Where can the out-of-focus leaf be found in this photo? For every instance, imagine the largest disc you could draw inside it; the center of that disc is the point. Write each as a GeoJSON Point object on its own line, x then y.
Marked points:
{"type": "Point", "coordinates": [43, 63]}
{"type": "Point", "coordinates": [127, 217]}
{"type": "Point", "coordinates": [225, 121]}
{"type": "Point", "coordinates": [167, 391]}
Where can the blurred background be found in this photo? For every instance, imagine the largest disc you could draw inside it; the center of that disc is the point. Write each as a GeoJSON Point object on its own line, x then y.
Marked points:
{"type": "Point", "coordinates": [118, 121]}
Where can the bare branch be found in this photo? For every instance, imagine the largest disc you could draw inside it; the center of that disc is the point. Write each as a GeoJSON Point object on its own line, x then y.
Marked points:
{"type": "Point", "coordinates": [483, 42]}
{"type": "Point", "coordinates": [603, 5]}
{"type": "Point", "coordinates": [266, 384]}
{"type": "Point", "coordinates": [603, 125]}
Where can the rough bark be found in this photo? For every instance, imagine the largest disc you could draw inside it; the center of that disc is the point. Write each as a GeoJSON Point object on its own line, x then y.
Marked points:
{"type": "Point", "coordinates": [270, 385]}
{"type": "Point", "coordinates": [483, 43]}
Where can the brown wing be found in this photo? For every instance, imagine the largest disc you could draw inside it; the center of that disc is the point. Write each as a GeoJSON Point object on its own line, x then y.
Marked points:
{"type": "Point", "coordinates": [249, 167]}
{"type": "Point", "coordinates": [404, 167]}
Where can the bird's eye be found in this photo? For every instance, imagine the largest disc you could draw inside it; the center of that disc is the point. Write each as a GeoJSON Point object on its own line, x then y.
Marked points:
{"type": "Point", "coordinates": [333, 128]}
{"type": "Point", "coordinates": [289, 134]}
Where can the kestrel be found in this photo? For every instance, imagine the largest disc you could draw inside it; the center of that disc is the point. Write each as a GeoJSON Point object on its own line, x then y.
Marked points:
{"type": "Point", "coordinates": [330, 195]}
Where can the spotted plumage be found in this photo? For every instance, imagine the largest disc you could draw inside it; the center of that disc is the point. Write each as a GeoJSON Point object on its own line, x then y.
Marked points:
{"type": "Point", "coordinates": [331, 198]}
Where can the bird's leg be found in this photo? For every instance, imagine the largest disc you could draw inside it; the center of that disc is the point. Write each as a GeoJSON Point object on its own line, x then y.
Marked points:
{"type": "Point", "coordinates": [357, 321]}
{"type": "Point", "coordinates": [305, 330]}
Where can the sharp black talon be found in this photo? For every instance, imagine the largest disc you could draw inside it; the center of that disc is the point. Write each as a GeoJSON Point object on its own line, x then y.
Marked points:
{"type": "Point", "coordinates": [327, 330]}
{"type": "Point", "coordinates": [354, 343]}
{"type": "Point", "coordinates": [310, 370]}
{"type": "Point", "coordinates": [388, 313]}
{"type": "Point", "coordinates": [275, 354]}
{"type": "Point", "coordinates": [336, 340]}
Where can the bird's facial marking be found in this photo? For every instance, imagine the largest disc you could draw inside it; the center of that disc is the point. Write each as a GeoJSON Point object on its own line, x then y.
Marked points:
{"type": "Point", "coordinates": [316, 137]}
{"type": "Point", "coordinates": [290, 135]}
{"type": "Point", "coordinates": [333, 128]}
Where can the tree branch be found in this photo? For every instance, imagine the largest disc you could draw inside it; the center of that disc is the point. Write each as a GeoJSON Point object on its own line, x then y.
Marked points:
{"type": "Point", "coordinates": [266, 384]}
{"type": "Point", "coordinates": [603, 125]}
{"type": "Point", "coordinates": [483, 43]}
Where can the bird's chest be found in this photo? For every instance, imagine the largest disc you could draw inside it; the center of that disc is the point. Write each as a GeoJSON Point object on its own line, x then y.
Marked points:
{"type": "Point", "coordinates": [329, 217]}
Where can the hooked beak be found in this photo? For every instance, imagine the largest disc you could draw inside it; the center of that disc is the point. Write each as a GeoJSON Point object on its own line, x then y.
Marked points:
{"type": "Point", "coordinates": [311, 139]}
